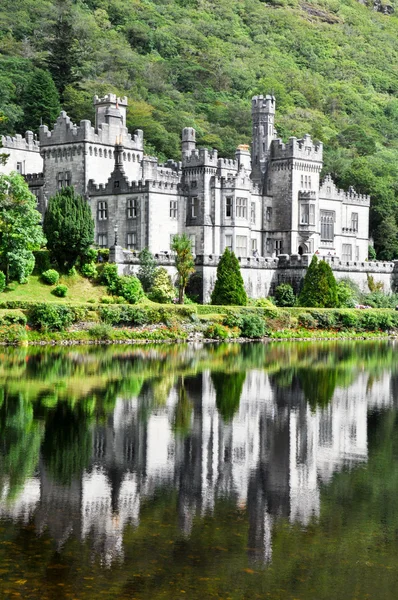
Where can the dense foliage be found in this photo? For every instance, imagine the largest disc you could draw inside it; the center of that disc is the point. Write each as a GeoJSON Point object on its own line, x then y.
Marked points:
{"type": "Point", "coordinates": [331, 66]}
{"type": "Point", "coordinates": [20, 230]}
{"type": "Point", "coordinates": [229, 287]}
{"type": "Point", "coordinates": [184, 262]}
{"type": "Point", "coordinates": [68, 226]}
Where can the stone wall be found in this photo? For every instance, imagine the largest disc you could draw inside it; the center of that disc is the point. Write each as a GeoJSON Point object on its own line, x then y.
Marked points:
{"type": "Point", "coordinates": [262, 275]}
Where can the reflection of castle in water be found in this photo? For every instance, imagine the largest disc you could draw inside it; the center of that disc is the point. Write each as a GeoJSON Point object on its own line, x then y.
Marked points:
{"type": "Point", "coordinates": [271, 459]}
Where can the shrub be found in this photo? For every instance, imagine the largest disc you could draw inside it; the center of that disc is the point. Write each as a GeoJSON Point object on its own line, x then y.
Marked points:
{"type": "Point", "coordinates": [72, 272]}
{"type": "Point", "coordinates": [103, 255]}
{"type": "Point", "coordinates": [130, 288]}
{"type": "Point", "coordinates": [52, 317]}
{"type": "Point", "coordinates": [252, 326]}
{"type": "Point", "coordinates": [325, 319]}
{"type": "Point", "coordinates": [349, 319]}
{"type": "Point", "coordinates": [12, 317]}
{"type": "Point", "coordinates": [42, 261]}
{"type": "Point", "coordinates": [89, 270]}
{"type": "Point", "coordinates": [229, 289]}
{"type": "Point", "coordinates": [284, 295]}
{"type": "Point", "coordinates": [264, 303]}
{"type": "Point", "coordinates": [215, 331]}
{"type": "Point", "coordinates": [51, 277]}
{"type": "Point", "coordinates": [380, 300]}
{"type": "Point", "coordinates": [13, 334]}
{"type": "Point", "coordinates": [345, 295]}
{"type": "Point", "coordinates": [307, 321]}
{"type": "Point", "coordinates": [371, 253]}
{"type": "Point", "coordinates": [60, 291]}
{"type": "Point", "coordinates": [90, 256]}
{"type": "Point", "coordinates": [109, 277]}
{"type": "Point", "coordinates": [101, 331]}
{"type": "Point", "coordinates": [162, 290]}
{"type": "Point", "coordinates": [2, 281]}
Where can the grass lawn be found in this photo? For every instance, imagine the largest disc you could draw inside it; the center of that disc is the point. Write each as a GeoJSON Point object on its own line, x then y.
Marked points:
{"type": "Point", "coordinates": [80, 290]}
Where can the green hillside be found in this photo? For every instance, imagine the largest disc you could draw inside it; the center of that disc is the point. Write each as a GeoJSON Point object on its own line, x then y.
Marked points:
{"type": "Point", "coordinates": [332, 65]}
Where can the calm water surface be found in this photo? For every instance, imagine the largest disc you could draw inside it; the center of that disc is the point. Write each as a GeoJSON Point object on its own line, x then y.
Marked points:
{"type": "Point", "coordinates": [229, 472]}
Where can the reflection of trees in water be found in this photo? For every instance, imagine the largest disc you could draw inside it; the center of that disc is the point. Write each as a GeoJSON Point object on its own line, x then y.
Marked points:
{"type": "Point", "coordinates": [182, 420]}
{"type": "Point", "coordinates": [67, 444]}
{"type": "Point", "coordinates": [20, 439]}
{"type": "Point", "coordinates": [318, 385]}
{"type": "Point", "coordinates": [228, 388]}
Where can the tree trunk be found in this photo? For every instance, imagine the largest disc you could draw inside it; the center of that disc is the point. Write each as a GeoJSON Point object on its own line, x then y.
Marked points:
{"type": "Point", "coordinates": [181, 295]}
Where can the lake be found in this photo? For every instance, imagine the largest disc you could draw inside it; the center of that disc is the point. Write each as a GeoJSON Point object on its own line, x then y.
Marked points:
{"type": "Point", "coordinates": [200, 471]}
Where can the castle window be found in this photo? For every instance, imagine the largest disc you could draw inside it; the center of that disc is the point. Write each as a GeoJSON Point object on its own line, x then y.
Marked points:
{"type": "Point", "coordinates": [241, 208]}
{"type": "Point", "coordinates": [307, 214]}
{"type": "Point", "coordinates": [194, 184]}
{"type": "Point", "coordinates": [194, 207]}
{"type": "Point", "coordinates": [347, 252]}
{"type": "Point", "coordinates": [132, 241]}
{"type": "Point", "coordinates": [228, 206]}
{"type": "Point", "coordinates": [327, 225]}
{"type": "Point", "coordinates": [173, 209]}
{"type": "Point", "coordinates": [90, 151]}
{"type": "Point", "coordinates": [228, 242]}
{"type": "Point", "coordinates": [241, 246]}
{"type": "Point", "coordinates": [129, 157]}
{"type": "Point", "coordinates": [309, 181]}
{"type": "Point", "coordinates": [102, 211]}
{"type": "Point", "coordinates": [60, 181]}
{"type": "Point", "coordinates": [354, 221]}
{"type": "Point", "coordinates": [278, 247]}
{"type": "Point", "coordinates": [102, 240]}
{"type": "Point", "coordinates": [253, 212]}
{"type": "Point", "coordinates": [356, 252]}
{"type": "Point", "coordinates": [132, 208]}
{"type": "Point", "coordinates": [100, 152]}
{"type": "Point", "coordinates": [20, 168]}
{"type": "Point", "coordinates": [268, 214]}
{"type": "Point", "coordinates": [116, 184]}
{"type": "Point", "coordinates": [133, 156]}
{"type": "Point", "coordinates": [95, 151]}
{"type": "Point", "coordinates": [268, 246]}
{"type": "Point", "coordinates": [67, 178]}
{"type": "Point", "coordinates": [302, 180]}
{"type": "Point", "coordinates": [105, 153]}
{"type": "Point", "coordinates": [254, 248]}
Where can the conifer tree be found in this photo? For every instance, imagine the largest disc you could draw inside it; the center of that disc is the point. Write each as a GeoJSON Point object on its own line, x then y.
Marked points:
{"type": "Point", "coordinates": [147, 271]}
{"type": "Point", "coordinates": [40, 101]}
{"type": "Point", "coordinates": [68, 226]}
{"type": "Point", "coordinates": [229, 288]}
{"type": "Point", "coordinates": [319, 287]}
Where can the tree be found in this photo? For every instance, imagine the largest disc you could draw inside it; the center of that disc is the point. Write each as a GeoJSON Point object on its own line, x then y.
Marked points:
{"type": "Point", "coordinates": [20, 231]}
{"type": "Point", "coordinates": [63, 56]}
{"type": "Point", "coordinates": [284, 295]}
{"type": "Point", "coordinates": [184, 262]}
{"type": "Point", "coordinates": [40, 101]}
{"type": "Point", "coordinates": [68, 226]}
{"type": "Point", "coordinates": [147, 271]}
{"type": "Point", "coordinates": [229, 288]}
{"type": "Point", "coordinates": [163, 291]}
{"type": "Point", "coordinates": [319, 287]}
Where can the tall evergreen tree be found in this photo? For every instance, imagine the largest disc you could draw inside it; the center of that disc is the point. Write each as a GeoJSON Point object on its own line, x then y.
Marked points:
{"type": "Point", "coordinates": [40, 101]}
{"type": "Point", "coordinates": [319, 287]}
{"type": "Point", "coordinates": [229, 288]}
{"type": "Point", "coordinates": [147, 271]}
{"type": "Point", "coordinates": [68, 226]}
{"type": "Point", "coordinates": [63, 54]}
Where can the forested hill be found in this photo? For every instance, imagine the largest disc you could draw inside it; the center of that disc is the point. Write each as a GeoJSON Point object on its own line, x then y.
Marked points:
{"type": "Point", "coordinates": [332, 65]}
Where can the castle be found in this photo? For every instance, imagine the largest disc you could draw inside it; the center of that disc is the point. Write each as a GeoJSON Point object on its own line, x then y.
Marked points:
{"type": "Point", "coordinates": [264, 203]}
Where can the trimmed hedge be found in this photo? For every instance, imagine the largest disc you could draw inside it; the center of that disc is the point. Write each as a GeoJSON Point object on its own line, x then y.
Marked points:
{"type": "Point", "coordinates": [10, 317]}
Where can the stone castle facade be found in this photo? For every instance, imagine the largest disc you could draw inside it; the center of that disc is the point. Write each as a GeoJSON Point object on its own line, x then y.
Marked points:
{"type": "Point", "coordinates": [266, 202]}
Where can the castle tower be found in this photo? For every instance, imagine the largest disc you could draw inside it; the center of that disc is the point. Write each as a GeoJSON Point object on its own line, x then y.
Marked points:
{"type": "Point", "coordinates": [263, 115]}
{"type": "Point", "coordinates": [188, 140]}
{"type": "Point", "coordinates": [110, 109]}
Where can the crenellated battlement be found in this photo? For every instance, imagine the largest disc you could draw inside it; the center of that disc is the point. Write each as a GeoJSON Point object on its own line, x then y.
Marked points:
{"type": "Point", "coordinates": [202, 157]}
{"type": "Point", "coordinates": [227, 163]}
{"type": "Point", "coordinates": [304, 149]}
{"type": "Point", "coordinates": [329, 190]}
{"type": "Point", "coordinates": [264, 104]}
{"type": "Point", "coordinates": [28, 143]}
{"type": "Point", "coordinates": [34, 178]}
{"type": "Point", "coordinates": [111, 99]}
{"type": "Point", "coordinates": [67, 132]}
{"type": "Point", "coordinates": [307, 195]}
